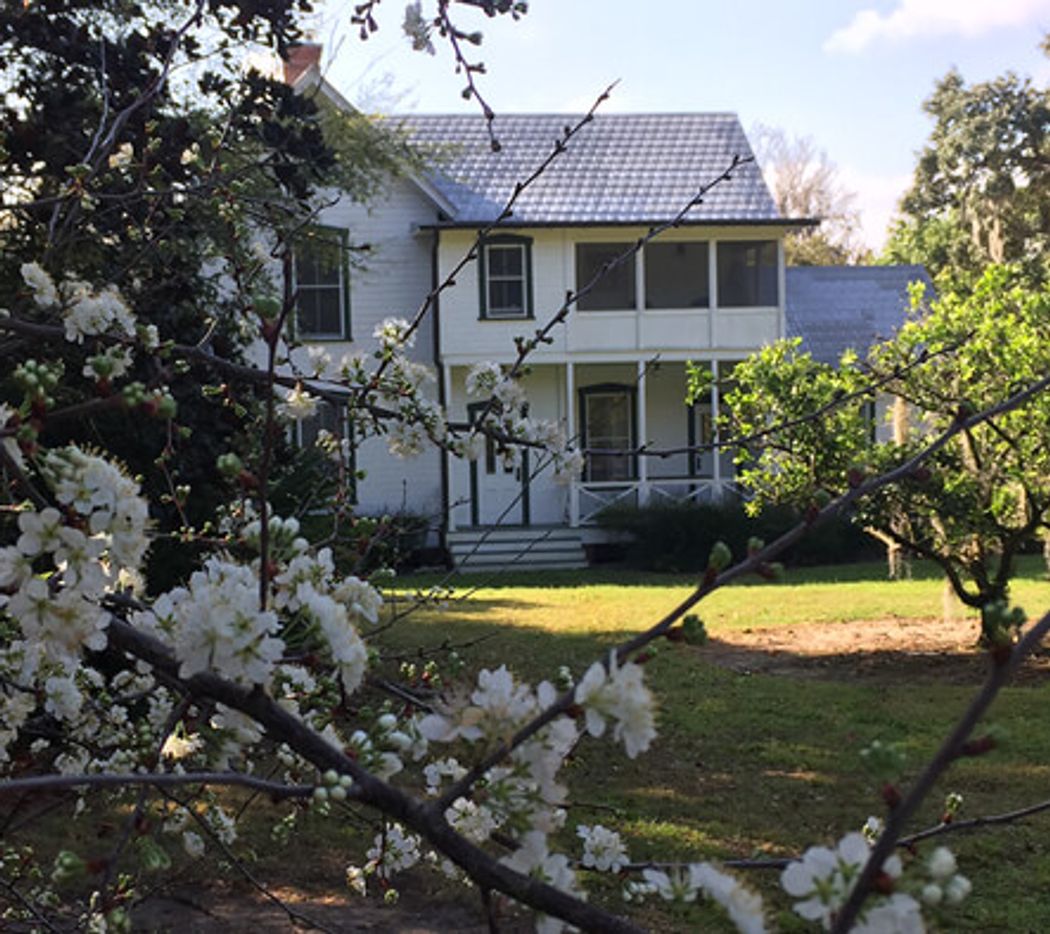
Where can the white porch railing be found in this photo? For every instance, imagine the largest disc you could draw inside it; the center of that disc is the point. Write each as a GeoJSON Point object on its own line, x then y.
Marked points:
{"type": "Point", "coordinates": [594, 497]}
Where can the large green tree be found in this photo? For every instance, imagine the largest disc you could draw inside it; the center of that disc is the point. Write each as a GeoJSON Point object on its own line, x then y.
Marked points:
{"type": "Point", "coordinates": [979, 499]}
{"type": "Point", "coordinates": [981, 191]}
{"type": "Point", "coordinates": [137, 149]}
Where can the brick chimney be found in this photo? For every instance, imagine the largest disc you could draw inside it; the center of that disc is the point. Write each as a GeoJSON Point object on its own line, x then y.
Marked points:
{"type": "Point", "coordinates": [300, 57]}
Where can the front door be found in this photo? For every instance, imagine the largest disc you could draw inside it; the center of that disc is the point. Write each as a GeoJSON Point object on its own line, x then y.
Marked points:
{"type": "Point", "coordinates": [499, 490]}
{"type": "Point", "coordinates": [608, 424]}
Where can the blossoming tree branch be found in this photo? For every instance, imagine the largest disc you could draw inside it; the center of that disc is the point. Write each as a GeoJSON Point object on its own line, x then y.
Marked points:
{"type": "Point", "coordinates": [160, 263]}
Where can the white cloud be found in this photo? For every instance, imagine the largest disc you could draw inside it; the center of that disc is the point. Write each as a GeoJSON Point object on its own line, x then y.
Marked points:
{"type": "Point", "coordinates": [916, 18]}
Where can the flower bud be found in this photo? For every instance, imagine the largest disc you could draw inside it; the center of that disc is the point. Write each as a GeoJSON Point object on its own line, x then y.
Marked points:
{"type": "Point", "coordinates": [720, 556]}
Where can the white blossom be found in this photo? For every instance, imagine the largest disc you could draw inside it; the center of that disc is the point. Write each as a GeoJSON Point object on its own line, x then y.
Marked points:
{"type": "Point", "coordinates": [112, 363]}
{"type": "Point", "coordinates": [107, 497]}
{"type": "Point", "coordinates": [602, 848]}
{"type": "Point", "coordinates": [63, 624]}
{"type": "Point", "coordinates": [218, 626]}
{"type": "Point", "coordinates": [44, 292]}
{"type": "Point", "coordinates": [439, 769]}
{"type": "Point", "coordinates": [63, 698]}
{"type": "Point", "coordinates": [619, 693]}
{"type": "Point", "coordinates": [898, 914]}
{"type": "Point", "coordinates": [39, 531]}
{"type": "Point", "coordinates": [673, 886]}
{"type": "Point", "coordinates": [180, 747]}
{"type": "Point", "coordinates": [89, 313]}
{"type": "Point", "coordinates": [823, 878]}
{"type": "Point", "coordinates": [942, 864]}
{"type": "Point", "coordinates": [360, 598]}
{"type": "Point", "coordinates": [932, 894]}
{"type": "Point", "coordinates": [298, 404]}
{"type": "Point", "coordinates": [535, 859]}
{"type": "Point", "coordinates": [743, 906]}
{"type": "Point", "coordinates": [392, 334]}
{"type": "Point", "coordinates": [957, 889]}
{"type": "Point", "coordinates": [407, 439]}
{"type": "Point", "coordinates": [483, 378]}
{"type": "Point", "coordinates": [121, 156]}
{"type": "Point", "coordinates": [222, 824]}
{"type": "Point", "coordinates": [392, 851]}
{"type": "Point", "coordinates": [474, 821]}
{"type": "Point", "coordinates": [356, 880]}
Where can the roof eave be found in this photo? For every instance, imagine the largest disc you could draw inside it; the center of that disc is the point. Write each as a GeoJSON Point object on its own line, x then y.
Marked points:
{"type": "Point", "coordinates": [454, 224]}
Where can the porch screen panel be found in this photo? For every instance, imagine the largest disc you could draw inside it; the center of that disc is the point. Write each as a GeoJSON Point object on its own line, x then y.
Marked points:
{"type": "Point", "coordinates": [614, 291]}
{"type": "Point", "coordinates": [747, 273]}
{"type": "Point", "coordinates": [676, 275]}
{"type": "Point", "coordinates": [609, 417]}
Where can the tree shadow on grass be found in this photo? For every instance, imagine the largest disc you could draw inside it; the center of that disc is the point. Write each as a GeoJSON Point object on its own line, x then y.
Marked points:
{"type": "Point", "coordinates": [903, 665]}
{"type": "Point", "coordinates": [1028, 567]}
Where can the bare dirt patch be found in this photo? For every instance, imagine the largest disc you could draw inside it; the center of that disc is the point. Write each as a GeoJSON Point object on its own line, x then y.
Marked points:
{"type": "Point", "coordinates": [213, 908]}
{"type": "Point", "coordinates": [887, 650]}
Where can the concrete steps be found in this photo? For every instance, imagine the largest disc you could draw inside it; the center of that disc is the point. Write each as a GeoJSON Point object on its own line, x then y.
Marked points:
{"type": "Point", "coordinates": [522, 548]}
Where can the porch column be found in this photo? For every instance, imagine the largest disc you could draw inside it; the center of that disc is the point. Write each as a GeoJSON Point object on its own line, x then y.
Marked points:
{"type": "Point", "coordinates": [446, 380]}
{"type": "Point", "coordinates": [643, 436]}
{"type": "Point", "coordinates": [716, 460]}
{"type": "Point", "coordinates": [570, 433]}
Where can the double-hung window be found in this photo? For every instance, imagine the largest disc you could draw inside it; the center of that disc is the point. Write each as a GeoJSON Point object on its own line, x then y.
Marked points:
{"type": "Point", "coordinates": [506, 277]}
{"type": "Point", "coordinates": [322, 285]}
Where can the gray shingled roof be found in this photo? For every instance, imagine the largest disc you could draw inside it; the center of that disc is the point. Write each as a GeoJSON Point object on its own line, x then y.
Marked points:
{"type": "Point", "coordinates": [835, 308]}
{"type": "Point", "coordinates": [620, 168]}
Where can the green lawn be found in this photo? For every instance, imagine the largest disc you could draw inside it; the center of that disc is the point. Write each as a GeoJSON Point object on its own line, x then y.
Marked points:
{"type": "Point", "coordinates": [617, 601]}
{"type": "Point", "coordinates": [751, 764]}
{"type": "Point", "coordinates": [745, 764]}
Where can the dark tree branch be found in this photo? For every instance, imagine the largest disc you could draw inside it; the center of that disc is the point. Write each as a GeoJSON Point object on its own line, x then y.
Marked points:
{"type": "Point", "coordinates": [277, 790]}
{"type": "Point", "coordinates": [975, 823]}
{"type": "Point", "coordinates": [425, 818]}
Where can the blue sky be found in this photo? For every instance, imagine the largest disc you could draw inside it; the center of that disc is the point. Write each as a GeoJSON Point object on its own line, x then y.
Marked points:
{"type": "Point", "coordinates": [850, 73]}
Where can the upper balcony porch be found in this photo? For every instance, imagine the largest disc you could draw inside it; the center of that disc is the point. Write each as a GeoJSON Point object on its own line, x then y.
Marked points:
{"type": "Point", "coordinates": [691, 290]}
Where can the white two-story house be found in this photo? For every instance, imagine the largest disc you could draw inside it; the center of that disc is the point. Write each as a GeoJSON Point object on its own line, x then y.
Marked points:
{"type": "Point", "coordinates": [711, 291]}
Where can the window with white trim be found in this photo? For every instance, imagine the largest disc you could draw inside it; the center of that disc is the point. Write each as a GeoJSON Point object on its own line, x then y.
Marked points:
{"type": "Point", "coordinates": [322, 286]}
{"type": "Point", "coordinates": [506, 277]}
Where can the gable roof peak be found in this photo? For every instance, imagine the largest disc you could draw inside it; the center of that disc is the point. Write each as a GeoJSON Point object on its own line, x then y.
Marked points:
{"type": "Point", "coordinates": [620, 168]}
